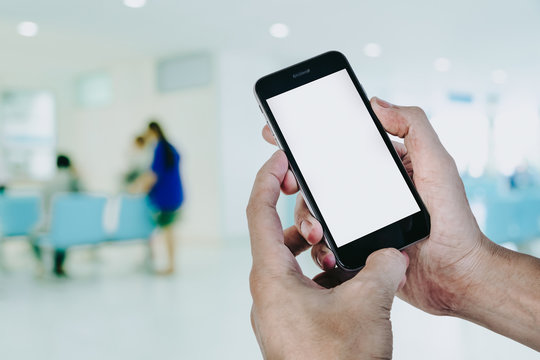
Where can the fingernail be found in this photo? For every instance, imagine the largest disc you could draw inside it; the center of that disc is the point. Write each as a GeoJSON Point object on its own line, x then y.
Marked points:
{"type": "Point", "coordinates": [305, 227]}
{"type": "Point", "coordinates": [329, 262]}
{"type": "Point", "coordinates": [382, 103]}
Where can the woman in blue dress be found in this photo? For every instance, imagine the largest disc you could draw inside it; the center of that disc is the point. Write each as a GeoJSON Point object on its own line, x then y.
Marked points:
{"type": "Point", "coordinates": [164, 187]}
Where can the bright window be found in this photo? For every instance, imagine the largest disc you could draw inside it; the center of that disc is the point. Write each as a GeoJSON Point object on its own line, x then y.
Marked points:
{"type": "Point", "coordinates": [27, 133]}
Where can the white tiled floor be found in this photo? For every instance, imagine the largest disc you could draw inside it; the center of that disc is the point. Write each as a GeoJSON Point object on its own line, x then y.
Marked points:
{"type": "Point", "coordinates": [111, 308]}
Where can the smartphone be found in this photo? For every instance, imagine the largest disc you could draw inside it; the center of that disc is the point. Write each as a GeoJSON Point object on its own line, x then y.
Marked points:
{"type": "Point", "coordinates": [352, 179]}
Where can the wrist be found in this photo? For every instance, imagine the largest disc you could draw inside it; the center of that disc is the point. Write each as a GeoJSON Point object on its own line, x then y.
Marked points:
{"type": "Point", "coordinates": [504, 295]}
{"type": "Point", "coordinates": [487, 260]}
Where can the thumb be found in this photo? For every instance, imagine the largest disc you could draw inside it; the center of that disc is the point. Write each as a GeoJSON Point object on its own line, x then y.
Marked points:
{"type": "Point", "coordinates": [385, 269]}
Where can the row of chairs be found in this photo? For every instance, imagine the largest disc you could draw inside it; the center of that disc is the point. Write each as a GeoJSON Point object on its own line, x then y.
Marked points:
{"type": "Point", "coordinates": [504, 214]}
{"type": "Point", "coordinates": [77, 218]}
{"type": "Point", "coordinates": [513, 218]}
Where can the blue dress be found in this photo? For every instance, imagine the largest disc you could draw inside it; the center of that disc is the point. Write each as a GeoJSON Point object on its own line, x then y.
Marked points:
{"type": "Point", "coordinates": [167, 193]}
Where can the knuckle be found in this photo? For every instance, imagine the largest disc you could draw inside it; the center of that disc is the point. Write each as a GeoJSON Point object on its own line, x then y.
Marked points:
{"type": "Point", "coordinates": [252, 208]}
{"type": "Point", "coordinates": [299, 216]}
{"type": "Point", "coordinates": [249, 207]}
{"type": "Point", "coordinates": [264, 282]}
{"type": "Point", "coordinates": [256, 281]}
{"type": "Point", "coordinates": [417, 111]}
{"type": "Point", "coordinates": [388, 254]}
{"type": "Point", "coordinates": [300, 212]}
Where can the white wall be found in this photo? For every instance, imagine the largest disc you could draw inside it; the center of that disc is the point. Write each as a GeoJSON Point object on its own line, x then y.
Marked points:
{"type": "Point", "coordinates": [242, 149]}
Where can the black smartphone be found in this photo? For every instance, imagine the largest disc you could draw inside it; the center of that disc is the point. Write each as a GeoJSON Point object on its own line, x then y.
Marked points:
{"type": "Point", "coordinates": [352, 179]}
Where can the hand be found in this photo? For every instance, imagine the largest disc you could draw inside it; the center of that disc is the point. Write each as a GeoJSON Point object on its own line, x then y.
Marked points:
{"type": "Point", "coordinates": [143, 183]}
{"type": "Point", "coordinates": [443, 266]}
{"type": "Point", "coordinates": [294, 316]}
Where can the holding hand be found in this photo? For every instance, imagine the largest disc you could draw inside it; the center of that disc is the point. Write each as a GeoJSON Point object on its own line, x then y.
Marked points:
{"type": "Point", "coordinates": [299, 318]}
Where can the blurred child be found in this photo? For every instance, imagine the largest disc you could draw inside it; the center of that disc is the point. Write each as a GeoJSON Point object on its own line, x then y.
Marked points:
{"type": "Point", "coordinates": [139, 161]}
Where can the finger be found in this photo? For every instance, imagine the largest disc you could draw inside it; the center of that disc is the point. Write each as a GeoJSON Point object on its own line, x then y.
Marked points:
{"type": "Point", "coordinates": [333, 277]}
{"type": "Point", "coordinates": [289, 185]}
{"type": "Point", "coordinates": [400, 149]}
{"type": "Point", "coordinates": [268, 136]}
{"type": "Point", "coordinates": [403, 155]}
{"type": "Point", "coordinates": [429, 160]}
{"type": "Point", "coordinates": [385, 269]}
{"type": "Point", "coordinates": [265, 229]}
{"type": "Point", "coordinates": [295, 241]}
{"type": "Point", "coordinates": [323, 256]}
{"type": "Point", "coordinates": [306, 224]}
{"type": "Point", "coordinates": [411, 124]}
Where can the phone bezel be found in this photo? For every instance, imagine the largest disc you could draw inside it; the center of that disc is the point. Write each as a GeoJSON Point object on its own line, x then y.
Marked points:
{"type": "Point", "coordinates": [400, 234]}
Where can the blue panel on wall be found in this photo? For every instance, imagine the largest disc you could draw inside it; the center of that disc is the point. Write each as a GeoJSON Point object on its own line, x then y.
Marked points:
{"type": "Point", "coordinates": [183, 72]}
{"type": "Point", "coordinates": [460, 97]}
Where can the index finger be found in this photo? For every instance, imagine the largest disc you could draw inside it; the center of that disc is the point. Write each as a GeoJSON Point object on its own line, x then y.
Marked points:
{"type": "Point", "coordinates": [265, 228]}
{"type": "Point", "coordinates": [268, 136]}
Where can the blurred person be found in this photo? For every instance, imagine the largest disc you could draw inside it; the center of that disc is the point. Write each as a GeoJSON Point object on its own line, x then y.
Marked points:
{"type": "Point", "coordinates": [139, 159]}
{"type": "Point", "coordinates": [64, 180]}
{"type": "Point", "coordinates": [164, 187]}
{"type": "Point", "coordinates": [457, 271]}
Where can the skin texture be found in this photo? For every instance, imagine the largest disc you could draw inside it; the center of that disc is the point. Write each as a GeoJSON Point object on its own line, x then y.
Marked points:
{"type": "Point", "coordinates": [457, 271]}
{"type": "Point", "coordinates": [295, 317]}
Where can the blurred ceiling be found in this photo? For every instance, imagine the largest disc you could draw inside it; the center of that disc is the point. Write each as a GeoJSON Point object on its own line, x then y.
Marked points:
{"type": "Point", "coordinates": [477, 36]}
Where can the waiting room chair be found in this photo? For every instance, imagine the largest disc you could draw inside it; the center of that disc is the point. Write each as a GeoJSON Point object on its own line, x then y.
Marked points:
{"type": "Point", "coordinates": [76, 219]}
{"type": "Point", "coordinates": [134, 219]}
{"type": "Point", "coordinates": [514, 217]}
{"type": "Point", "coordinates": [19, 214]}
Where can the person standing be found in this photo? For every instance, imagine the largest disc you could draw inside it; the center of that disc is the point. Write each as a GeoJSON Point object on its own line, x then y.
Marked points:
{"type": "Point", "coordinates": [164, 187]}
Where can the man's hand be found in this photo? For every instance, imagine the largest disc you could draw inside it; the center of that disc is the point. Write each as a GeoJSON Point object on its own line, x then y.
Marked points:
{"type": "Point", "coordinates": [294, 317]}
{"type": "Point", "coordinates": [457, 270]}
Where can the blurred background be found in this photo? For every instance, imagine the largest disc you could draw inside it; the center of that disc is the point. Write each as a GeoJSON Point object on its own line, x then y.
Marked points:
{"type": "Point", "coordinates": [84, 78]}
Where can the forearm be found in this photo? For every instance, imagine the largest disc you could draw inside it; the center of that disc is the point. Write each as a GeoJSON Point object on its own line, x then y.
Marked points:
{"type": "Point", "coordinates": [505, 297]}
{"type": "Point", "coordinates": [143, 183]}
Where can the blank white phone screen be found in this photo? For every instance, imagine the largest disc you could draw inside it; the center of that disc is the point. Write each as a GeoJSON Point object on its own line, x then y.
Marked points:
{"type": "Point", "coordinates": [345, 162]}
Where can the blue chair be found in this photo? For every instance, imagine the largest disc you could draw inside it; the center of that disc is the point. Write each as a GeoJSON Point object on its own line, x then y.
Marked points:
{"type": "Point", "coordinates": [76, 219]}
{"type": "Point", "coordinates": [135, 219]}
{"type": "Point", "coordinates": [481, 188]}
{"type": "Point", "coordinates": [514, 217]}
{"type": "Point", "coordinates": [502, 220]}
{"type": "Point", "coordinates": [19, 214]}
{"type": "Point", "coordinates": [529, 215]}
